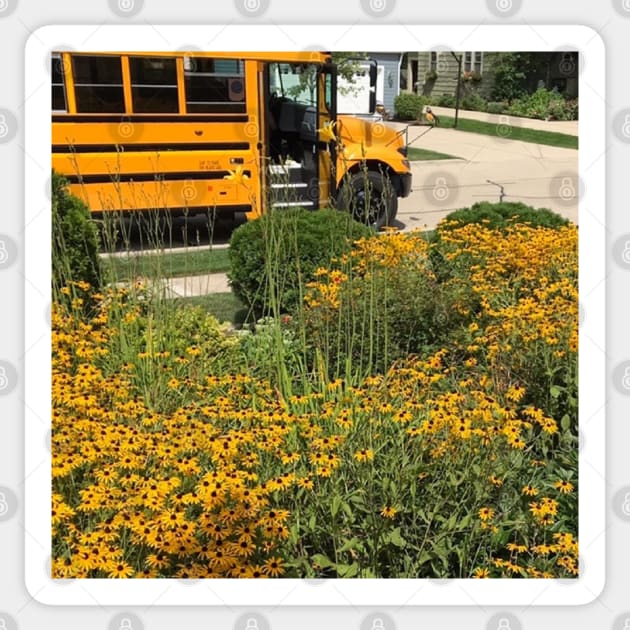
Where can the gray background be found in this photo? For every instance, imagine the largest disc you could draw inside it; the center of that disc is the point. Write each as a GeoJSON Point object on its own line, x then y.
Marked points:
{"type": "Point", "coordinates": [19, 18]}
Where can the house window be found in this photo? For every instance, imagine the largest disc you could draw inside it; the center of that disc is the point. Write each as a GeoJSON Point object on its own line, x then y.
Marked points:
{"type": "Point", "coordinates": [214, 85]}
{"type": "Point", "coordinates": [59, 103]}
{"type": "Point", "coordinates": [433, 62]}
{"type": "Point", "coordinates": [473, 62]}
{"type": "Point", "coordinates": [154, 84]}
{"type": "Point", "coordinates": [98, 84]}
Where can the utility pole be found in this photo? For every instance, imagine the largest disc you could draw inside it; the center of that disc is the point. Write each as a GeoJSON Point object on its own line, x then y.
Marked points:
{"type": "Point", "coordinates": [459, 83]}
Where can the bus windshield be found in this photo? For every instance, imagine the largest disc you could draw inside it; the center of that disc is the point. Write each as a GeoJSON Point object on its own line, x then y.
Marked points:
{"type": "Point", "coordinates": [297, 82]}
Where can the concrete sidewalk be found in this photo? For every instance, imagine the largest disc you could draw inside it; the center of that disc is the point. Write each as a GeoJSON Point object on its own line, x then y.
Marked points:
{"type": "Point", "coordinates": [569, 127]}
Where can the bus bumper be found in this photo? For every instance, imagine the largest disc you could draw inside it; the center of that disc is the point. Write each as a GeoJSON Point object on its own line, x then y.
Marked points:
{"type": "Point", "coordinates": [404, 185]}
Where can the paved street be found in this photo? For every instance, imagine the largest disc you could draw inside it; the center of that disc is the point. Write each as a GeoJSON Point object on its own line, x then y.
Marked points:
{"type": "Point", "coordinates": [538, 175]}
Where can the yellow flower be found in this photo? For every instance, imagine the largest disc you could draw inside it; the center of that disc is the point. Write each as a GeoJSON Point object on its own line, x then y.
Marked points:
{"type": "Point", "coordinates": [364, 455]}
{"type": "Point", "coordinates": [388, 511]}
{"type": "Point", "coordinates": [486, 513]}
{"type": "Point", "coordinates": [564, 486]}
{"type": "Point", "coordinates": [327, 132]}
{"type": "Point", "coordinates": [238, 176]}
{"type": "Point", "coordinates": [480, 573]}
{"type": "Point", "coordinates": [529, 491]}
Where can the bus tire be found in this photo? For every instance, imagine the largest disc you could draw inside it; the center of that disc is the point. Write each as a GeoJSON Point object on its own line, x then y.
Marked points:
{"type": "Point", "coordinates": [370, 197]}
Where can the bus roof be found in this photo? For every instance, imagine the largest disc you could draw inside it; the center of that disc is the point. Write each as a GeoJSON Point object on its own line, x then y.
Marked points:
{"type": "Point", "coordinates": [300, 56]}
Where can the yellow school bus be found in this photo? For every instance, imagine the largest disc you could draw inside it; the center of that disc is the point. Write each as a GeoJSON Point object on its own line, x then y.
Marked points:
{"type": "Point", "coordinates": [195, 132]}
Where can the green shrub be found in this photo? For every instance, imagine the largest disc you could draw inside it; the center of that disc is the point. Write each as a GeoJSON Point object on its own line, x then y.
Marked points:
{"type": "Point", "coordinates": [273, 257]}
{"type": "Point", "coordinates": [497, 107]}
{"type": "Point", "coordinates": [545, 104]}
{"type": "Point", "coordinates": [74, 240]}
{"type": "Point", "coordinates": [446, 100]}
{"type": "Point", "coordinates": [474, 102]}
{"type": "Point", "coordinates": [409, 106]}
{"type": "Point", "coordinates": [502, 215]}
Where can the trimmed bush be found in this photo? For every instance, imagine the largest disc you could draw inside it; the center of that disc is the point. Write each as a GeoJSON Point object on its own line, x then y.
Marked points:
{"type": "Point", "coordinates": [446, 100]}
{"type": "Point", "coordinates": [409, 106]}
{"type": "Point", "coordinates": [502, 215]}
{"type": "Point", "coordinates": [474, 102]}
{"type": "Point", "coordinates": [74, 240]}
{"type": "Point", "coordinates": [497, 107]}
{"type": "Point", "coordinates": [273, 257]}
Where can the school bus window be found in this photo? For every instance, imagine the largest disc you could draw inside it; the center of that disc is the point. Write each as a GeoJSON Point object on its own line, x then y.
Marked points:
{"type": "Point", "coordinates": [98, 84]}
{"type": "Point", "coordinates": [58, 85]}
{"type": "Point", "coordinates": [153, 85]}
{"type": "Point", "coordinates": [214, 85]}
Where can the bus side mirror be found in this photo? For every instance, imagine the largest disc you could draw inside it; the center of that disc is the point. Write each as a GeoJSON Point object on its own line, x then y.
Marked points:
{"type": "Point", "coordinates": [373, 75]}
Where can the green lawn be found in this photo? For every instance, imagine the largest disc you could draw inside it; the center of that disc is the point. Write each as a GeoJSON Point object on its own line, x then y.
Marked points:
{"type": "Point", "coordinates": [523, 134]}
{"type": "Point", "coordinates": [416, 155]}
{"type": "Point", "coordinates": [192, 262]}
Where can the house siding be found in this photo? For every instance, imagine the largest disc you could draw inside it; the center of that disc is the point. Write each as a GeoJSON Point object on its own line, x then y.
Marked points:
{"type": "Point", "coordinates": [446, 81]}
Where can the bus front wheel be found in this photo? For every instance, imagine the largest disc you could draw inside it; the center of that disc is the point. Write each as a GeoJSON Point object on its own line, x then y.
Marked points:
{"type": "Point", "coordinates": [370, 198]}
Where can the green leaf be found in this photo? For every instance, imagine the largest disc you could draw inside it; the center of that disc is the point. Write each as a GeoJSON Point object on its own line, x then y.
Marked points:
{"type": "Point", "coordinates": [335, 505]}
{"type": "Point", "coordinates": [349, 544]}
{"type": "Point", "coordinates": [396, 539]}
{"type": "Point", "coordinates": [555, 391]}
{"type": "Point", "coordinates": [565, 422]}
{"type": "Point", "coordinates": [321, 560]}
{"type": "Point", "coordinates": [348, 570]}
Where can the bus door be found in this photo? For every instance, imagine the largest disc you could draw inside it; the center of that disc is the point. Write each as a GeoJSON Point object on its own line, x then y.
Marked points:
{"type": "Point", "coordinates": [297, 177]}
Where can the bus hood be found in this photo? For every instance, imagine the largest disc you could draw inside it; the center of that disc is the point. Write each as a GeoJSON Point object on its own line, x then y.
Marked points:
{"type": "Point", "coordinates": [359, 135]}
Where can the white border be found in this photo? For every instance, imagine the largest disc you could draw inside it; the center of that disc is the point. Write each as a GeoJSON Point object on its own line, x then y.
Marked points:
{"type": "Point", "coordinates": [298, 592]}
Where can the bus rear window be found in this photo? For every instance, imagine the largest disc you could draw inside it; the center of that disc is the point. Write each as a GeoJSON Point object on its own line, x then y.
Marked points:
{"type": "Point", "coordinates": [98, 84]}
{"type": "Point", "coordinates": [214, 85]}
{"type": "Point", "coordinates": [154, 84]}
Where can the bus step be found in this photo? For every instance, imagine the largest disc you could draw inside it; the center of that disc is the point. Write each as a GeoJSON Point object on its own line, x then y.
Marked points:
{"type": "Point", "coordinates": [293, 204]}
{"type": "Point", "coordinates": [292, 185]}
